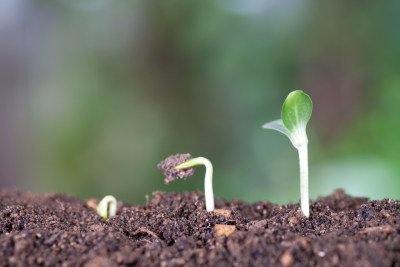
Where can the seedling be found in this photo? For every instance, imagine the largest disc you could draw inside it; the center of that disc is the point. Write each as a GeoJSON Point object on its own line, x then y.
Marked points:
{"type": "Point", "coordinates": [107, 207]}
{"type": "Point", "coordinates": [208, 190]}
{"type": "Point", "coordinates": [181, 166]}
{"type": "Point", "coordinates": [296, 112]}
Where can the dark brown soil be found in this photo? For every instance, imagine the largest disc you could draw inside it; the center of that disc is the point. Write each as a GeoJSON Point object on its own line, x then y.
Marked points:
{"type": "Point", "coordinates": [176, 230]}
{"type": "Point", "coordinates": [171, 174]}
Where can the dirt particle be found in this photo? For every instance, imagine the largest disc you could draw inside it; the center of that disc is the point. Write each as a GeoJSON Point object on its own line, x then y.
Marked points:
{"type": "Point", "coordinates": [100, 262]}
{"type": "Point", "coordinates": [92, 203]}
{"type": "Point", "coordinates": [335, 260]}
{"type": "Point", "coordinates": [382, 228]}
{"type": "Point", "coordinates": [303, 242]}
{"type": "Point", "coordinates": [21, 245]}
{"type": "Point", "coordinates": [144, 230]}
{"type": "Point", "coordinates": [40, 260]}
{"type": "Point", "coordinates": [254, 225]}
{"type": "Point", "coordinates": [119, 258]}
{"type": "Point", "coordinates": [226, 213]}
{"type": "Point", "coordinates": [222, 229]}
{"type": "Point", "coordinates": [293, 220]}
{"type": "Point", "coordinates": [385, 213]}
{"type": "Point", "coordinates": [97, 228]}
{"type": "Point", "coordinates": [171, 174]}
{"type": "Point", "coordinates": [286, 259]}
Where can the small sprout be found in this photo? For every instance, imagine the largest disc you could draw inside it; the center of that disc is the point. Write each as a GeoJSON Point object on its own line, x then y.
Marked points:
{"type": "Point", "coordinates": [208, 190]}
{"type": "Point", "coordinates": [107, 207]}
{"type": "Point", "coordinates": [296, 112]}
{"type": "Point", "coordinates": [181, 166]}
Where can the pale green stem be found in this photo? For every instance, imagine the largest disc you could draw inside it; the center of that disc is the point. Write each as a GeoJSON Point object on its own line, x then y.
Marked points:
{"type": "Point", "coordinates": [303, 161]}
{"type": "Point", "coordinates": [208, 189]}
{"type": "Point", "coordinates": [107, 207]}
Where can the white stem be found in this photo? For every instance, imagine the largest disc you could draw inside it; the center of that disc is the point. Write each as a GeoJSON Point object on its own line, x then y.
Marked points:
{"type": "Point", "coordinates": [208, 188]}
{"type": "Point", "coordinates": [303, 161]}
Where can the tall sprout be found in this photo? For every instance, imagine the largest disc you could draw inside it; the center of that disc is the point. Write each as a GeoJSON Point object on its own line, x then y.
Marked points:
{"type": "Point", "coordinates": [296, 112]}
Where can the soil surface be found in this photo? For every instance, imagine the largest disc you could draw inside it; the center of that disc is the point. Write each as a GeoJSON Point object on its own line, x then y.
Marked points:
{"type": "Point", "coordinates": [176, 230]}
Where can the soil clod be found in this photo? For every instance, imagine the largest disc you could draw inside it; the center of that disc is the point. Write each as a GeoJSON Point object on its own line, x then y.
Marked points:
{"type": "Point", "coordinates": [92, 203]}
{"type": "Point", "coordinates": [286, 259]}
{"type": "Point", "coordinates": [222, 229]}
{"type": "Point", "coordinates": [168, 165]}
{"type": "Point", "coordinates": [226, 213]}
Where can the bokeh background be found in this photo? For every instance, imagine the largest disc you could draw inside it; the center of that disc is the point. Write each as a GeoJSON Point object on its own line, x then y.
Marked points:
{"type": "Point", "coordinates": [94, 93]}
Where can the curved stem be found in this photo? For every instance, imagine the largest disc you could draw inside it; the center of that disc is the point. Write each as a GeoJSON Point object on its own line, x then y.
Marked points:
{"type": "Point", "coordinates": [208, 188]}
{"type": "Point", "coordinates": [107, 207]}
{"type": "Point", "coordinates": [303, 162]}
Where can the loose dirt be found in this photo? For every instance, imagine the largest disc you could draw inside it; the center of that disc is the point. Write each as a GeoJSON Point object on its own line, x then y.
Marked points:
{"type": "Point", "coordinates": [176, 230]}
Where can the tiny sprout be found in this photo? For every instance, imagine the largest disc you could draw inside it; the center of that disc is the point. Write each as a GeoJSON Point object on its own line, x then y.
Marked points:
{"type": "Point", "coordinates": [208, 190]}
{"type": "Point", "coordinates": [296, 112]}
{"type": "Point", "coordinates": [107, 207]}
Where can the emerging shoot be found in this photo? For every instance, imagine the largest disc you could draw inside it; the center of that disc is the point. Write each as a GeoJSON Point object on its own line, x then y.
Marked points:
{"type": "Point", "coordinates": [180, 166]}
{"type": "Point", "coordinates": [296, 112]}
{"type": "Point", "coordinates": [208, 190]}
{"type": "Point", "coordinates": [107, 207]}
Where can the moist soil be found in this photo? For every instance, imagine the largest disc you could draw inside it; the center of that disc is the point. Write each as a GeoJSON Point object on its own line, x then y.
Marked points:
{"type": "Point", "coordinates": [168, 167]}
{"type": "Point", "coordinates": [176, 230]}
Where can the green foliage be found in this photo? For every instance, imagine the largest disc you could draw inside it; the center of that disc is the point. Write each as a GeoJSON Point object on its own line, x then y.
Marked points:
{"type": "Point", "coordinates": [296, 112]}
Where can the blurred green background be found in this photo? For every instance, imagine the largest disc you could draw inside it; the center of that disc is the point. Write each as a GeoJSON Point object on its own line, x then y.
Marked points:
{"type": "Point", "coordinates": [94, 93]}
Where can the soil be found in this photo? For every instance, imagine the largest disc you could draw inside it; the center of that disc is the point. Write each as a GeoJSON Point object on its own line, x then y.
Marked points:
{"type": "Point", "coordinates": [176, 230]}
{"type": "Point", "coordinates": [171, 174]}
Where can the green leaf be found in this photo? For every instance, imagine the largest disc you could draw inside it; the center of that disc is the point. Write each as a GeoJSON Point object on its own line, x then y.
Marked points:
{"type": "Point", "coordinates": [296, 111]}
{"type": "Point", "coordinates": [277, 125]}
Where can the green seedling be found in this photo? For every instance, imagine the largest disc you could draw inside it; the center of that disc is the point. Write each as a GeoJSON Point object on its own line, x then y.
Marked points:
{"type": "Point", "coordinates": [107, 207]}
{"type": "Point", "coordinates": [296, 112]}
{"type": "Point", "coordinates": [208, 189]}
